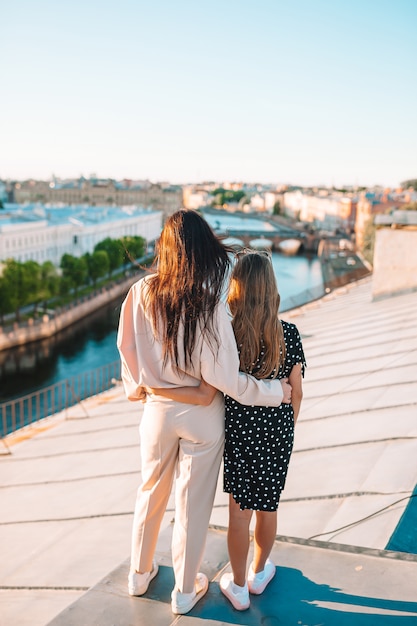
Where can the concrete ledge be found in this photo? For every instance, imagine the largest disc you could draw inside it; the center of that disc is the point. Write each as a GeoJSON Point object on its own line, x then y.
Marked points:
{"type": "Point", "coordinates": [315, 583]}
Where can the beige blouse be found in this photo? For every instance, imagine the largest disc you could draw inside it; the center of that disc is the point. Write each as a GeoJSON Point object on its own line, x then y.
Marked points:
{"type": "Point", "coordinates": [142, 361]}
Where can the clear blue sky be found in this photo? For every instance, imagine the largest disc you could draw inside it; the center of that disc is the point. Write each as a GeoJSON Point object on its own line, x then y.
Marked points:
{"type": "Point", "coordinates": [283, 91]}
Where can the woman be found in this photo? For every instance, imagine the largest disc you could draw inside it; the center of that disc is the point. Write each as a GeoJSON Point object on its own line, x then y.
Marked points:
{"type": "Point", "coordinates": [173, 331]}
{"type": "Point", "coordinates": [258, 440]}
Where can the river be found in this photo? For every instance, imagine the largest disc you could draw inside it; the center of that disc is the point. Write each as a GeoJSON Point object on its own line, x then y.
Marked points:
{"type": "Point", "coordinates": [91, 343]}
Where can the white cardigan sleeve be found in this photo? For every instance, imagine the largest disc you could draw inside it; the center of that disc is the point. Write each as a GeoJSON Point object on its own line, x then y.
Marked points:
{"type": "Point", "coordinates": [221, 369]}
{"type": "Point", "coordinates": [142, 361]}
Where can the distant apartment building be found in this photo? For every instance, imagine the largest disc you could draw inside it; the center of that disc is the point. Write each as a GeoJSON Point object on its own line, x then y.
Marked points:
{"type": "Point", "coordinates": [373, 203]}
{"type": "Point", "coordinates": [262, 202]}
{"type": "Point", "coordinates": [195, 197]}
{"type": "Point", "coordinates": [41, 233]}
{"type": "Point", "coordinates": [101, 192]}
{"type": "Point", "coordinates": [325, 209]}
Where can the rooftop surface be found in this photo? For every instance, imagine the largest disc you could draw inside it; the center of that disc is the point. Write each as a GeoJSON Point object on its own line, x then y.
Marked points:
{"type": "Point", "coordinates": [347, 546]}
{"type": "Point", "coordinates": [58, 215]}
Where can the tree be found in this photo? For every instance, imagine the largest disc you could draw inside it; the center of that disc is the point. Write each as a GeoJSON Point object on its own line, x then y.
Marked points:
{"type": "Point", "coordinates": [32, 282]}
{"type": "Point", "coordinates": [14, 275]}
{"type": "Point", "coordinates": [22, 284]}
{"type": "Point", "coordinates": [410, 183]}
{"type": "Point", "coordinates": [50, 282]}
{"type": "Point", "coordinates": [75, 270]}
{"type": "Point", "coordinates": [6, 297]}
{"type": "Point", "coordinates": [65, 285]}
{"type": "Point", "coordinates": [277, 208]}
{"type": "Point", "coordinates": [114, 250]}
{"type": "Point", "coordinates": [133, 247]}
{"type": "Point", "coordinates": [98, 265]}
{"type": "Point", "coordinates": [224, 196]}
{"type": "Point", "coordinates": [217, 199]}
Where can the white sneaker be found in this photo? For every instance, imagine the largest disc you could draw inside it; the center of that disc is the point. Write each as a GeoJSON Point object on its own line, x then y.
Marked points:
{"type": "Point", "coordinates": [257, 582]}
{"type": "Point", "coordinates": [182, 603]}
{"type": "Point", "coordinates": [138, 583]}
{"type": "Point", "coordinates": [238, 596]}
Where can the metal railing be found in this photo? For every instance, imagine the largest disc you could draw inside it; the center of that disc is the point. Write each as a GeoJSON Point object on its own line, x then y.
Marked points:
{"type": "Point", "coordinates": [35, 406]}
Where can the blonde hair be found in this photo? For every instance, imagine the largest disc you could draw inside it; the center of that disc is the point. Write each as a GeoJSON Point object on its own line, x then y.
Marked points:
{"type": "Point", "coordinates": [253, 300]}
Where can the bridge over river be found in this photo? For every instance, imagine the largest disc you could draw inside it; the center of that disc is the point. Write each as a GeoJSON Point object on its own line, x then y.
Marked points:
{"type": "Point", "coordinates": [247, 229]}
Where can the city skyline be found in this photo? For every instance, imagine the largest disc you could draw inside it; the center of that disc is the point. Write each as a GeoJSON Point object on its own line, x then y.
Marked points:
{"type": "Point", "coordinates": [307, 94]}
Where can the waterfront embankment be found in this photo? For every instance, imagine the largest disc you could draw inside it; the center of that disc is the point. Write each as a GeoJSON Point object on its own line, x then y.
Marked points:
{"type": "Point", "coordinates": [50, 324]}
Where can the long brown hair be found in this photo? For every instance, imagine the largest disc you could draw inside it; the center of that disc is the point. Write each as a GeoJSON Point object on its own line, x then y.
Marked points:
{"type": "Point", "coordinates": [191, 267]}
{"type": "Point", "coordinates": [254, 302]}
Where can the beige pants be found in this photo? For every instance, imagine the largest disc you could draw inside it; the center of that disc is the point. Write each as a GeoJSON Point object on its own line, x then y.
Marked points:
{"type": "Point", "coordinates": [186, 442]}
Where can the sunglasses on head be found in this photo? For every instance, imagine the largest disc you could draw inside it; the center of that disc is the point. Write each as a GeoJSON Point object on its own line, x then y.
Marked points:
{"type": "Point", "coordinates": [245, 251]}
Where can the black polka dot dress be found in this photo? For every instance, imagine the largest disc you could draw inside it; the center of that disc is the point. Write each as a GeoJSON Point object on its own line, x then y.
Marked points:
{"type": "Point", "coordinates": [259, 440]}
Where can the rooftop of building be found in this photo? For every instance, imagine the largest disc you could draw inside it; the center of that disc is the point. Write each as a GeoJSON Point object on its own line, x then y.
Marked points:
{"type": "Point", "coordinates": [346, 550]}
{"type": "Point", "coordinates": [59, 214]}
{"type": "Point", "coordinates": [94, 182]}
{"type": "Point", "coordinates": [397, 218]}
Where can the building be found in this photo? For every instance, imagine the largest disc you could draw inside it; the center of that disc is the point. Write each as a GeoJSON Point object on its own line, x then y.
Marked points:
{"type": "Point", "coordinates": [45, 233]}
{"type": "Point", "coordinates": [373, 203]}
{"type": "Point", "coordinates": [195, 197]}
{"type": "Point", "coordinates": [326, 209]}
{"type": "Point", "coordinates": [101, 192]}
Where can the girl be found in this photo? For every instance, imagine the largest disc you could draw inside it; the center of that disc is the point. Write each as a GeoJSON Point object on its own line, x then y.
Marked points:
{"type": "Point", "coordinates": [173, 331]}
{"type": "Point", "coordinates": [258, 440]}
